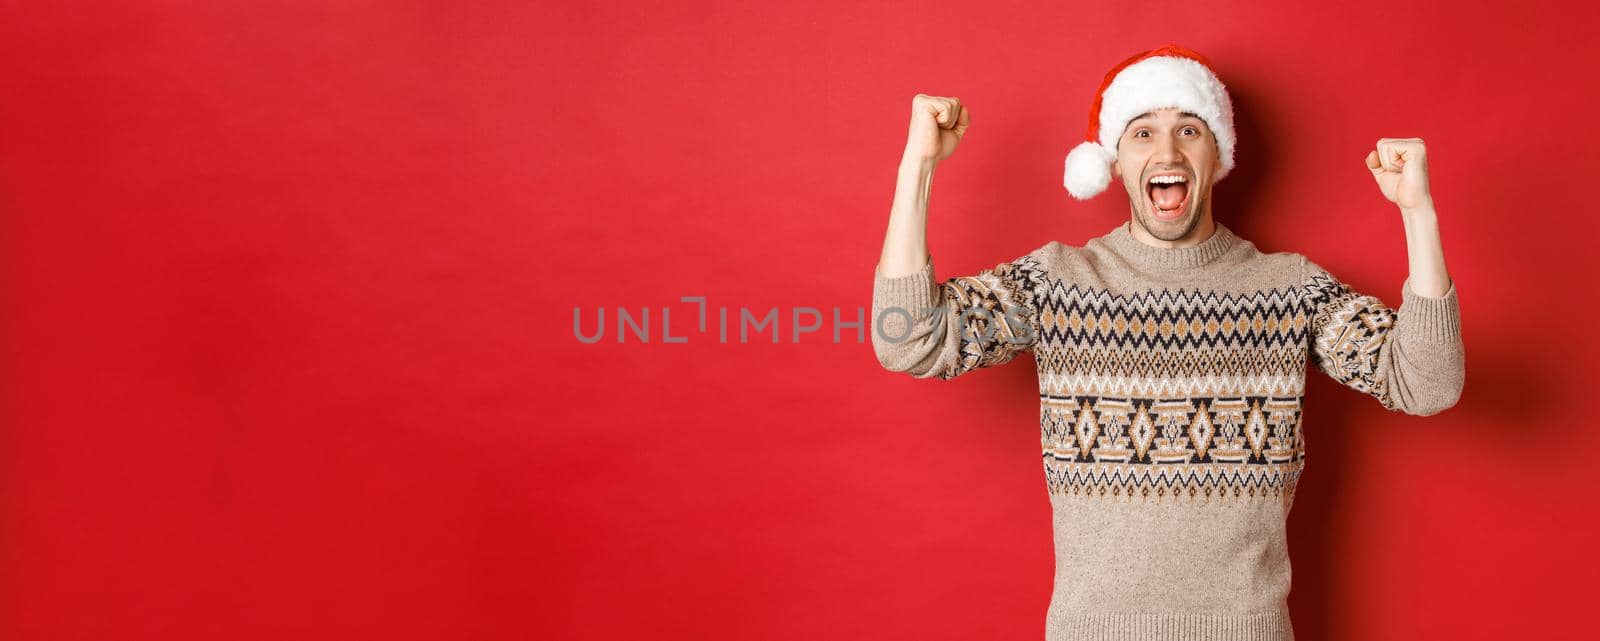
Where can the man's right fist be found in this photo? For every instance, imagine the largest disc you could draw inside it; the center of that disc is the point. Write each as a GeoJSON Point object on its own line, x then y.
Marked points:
{"type": "Point", "coordinates": [937, 124]}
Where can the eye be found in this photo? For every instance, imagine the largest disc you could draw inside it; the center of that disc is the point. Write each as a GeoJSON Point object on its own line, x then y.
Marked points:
{"type": "Point", "coordinates": [1190, 131]}
{"type": "Point", "coordinates": [1142, 133]}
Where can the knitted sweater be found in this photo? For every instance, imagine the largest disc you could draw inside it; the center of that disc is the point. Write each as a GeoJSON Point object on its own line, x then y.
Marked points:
{"type": "Point", "coordinates": [1170, 391]}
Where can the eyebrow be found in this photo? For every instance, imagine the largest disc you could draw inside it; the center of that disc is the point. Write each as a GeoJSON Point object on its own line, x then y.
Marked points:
{"type": "Point", "coordinates": [1184, 114]}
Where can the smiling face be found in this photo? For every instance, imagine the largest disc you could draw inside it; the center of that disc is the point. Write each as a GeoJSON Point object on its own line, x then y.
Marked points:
{"type": "Point", "coordinates": [1168, 161]}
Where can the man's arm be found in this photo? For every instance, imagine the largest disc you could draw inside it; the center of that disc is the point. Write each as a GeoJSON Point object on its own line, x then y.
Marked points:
{"type": "Point", "coordinates": [924, 327]}
{"type": "Point", "coordinates": [905, 244]}
{"type": "Point", "coordinates": [1400, 166]}
{"type": "Point", "coordinates": [937, 125]}
{"type": "Point", "coordinates": [1411, 359]}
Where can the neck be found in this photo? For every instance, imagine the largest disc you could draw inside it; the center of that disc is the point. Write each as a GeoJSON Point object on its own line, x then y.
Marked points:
{"type": "Point", "coordinates": [1172, 255]}
{"type": "Point", "coordinates": [1199, 234]}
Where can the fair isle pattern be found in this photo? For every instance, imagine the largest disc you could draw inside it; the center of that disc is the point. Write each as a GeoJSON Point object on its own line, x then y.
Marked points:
{"type": "Point", "coordinates": [1184, 447]}
{"type": "Point", "coordinates": [1350, 330]}
{"type": "Point", "coordinates": [1171, 319]}
{"type": "Point", "coordinates": [1171, 383]}
{"type": "Point", "coordinates": [986, 306]}
{"type": "Point", "coordinates": [1171, 342]}
{"type": "Point", "coordinates": [1172, 393]}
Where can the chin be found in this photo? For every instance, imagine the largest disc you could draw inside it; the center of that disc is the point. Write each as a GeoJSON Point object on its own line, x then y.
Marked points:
{"type": "Point", "coordinates": [1178, 222]}
{"type": "Point", "coordinates": [1170, 229]}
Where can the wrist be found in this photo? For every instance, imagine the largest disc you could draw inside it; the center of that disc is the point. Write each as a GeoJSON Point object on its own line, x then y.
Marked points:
{"type": "Point", "coordinates": [918, 165]}
{"type": "Point", "coordinates": [1422, 210]}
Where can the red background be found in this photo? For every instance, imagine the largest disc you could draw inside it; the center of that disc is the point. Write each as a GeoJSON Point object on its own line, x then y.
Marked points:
{"type": "Point", "coordinates": [289, 294]}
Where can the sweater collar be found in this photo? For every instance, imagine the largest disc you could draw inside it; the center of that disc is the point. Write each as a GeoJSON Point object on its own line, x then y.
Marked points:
{"type": "Point", "coordinates": [1121, 241]}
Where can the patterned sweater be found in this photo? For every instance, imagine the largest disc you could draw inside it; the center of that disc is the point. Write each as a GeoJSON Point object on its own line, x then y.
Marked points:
{"type": "Point", "coordinates": [1170, 391]}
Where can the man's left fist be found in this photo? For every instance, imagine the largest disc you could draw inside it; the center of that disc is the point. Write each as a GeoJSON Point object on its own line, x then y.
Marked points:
{"type": "Point", "coordinates": [1400, 165]}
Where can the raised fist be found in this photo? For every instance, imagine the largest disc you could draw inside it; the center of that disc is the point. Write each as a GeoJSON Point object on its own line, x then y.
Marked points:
{"type": "Point", "coordinates": [1400, 165]}
{"type": "Point", "coordinates": [937, 124]}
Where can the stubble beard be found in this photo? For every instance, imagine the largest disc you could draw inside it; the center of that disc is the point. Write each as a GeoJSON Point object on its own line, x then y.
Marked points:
{"type": "Point", "coordinates": [1169, 231]}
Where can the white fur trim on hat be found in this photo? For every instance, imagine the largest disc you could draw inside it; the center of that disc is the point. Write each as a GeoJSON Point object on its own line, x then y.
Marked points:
{"type": "Point", "coordinates": [1088, 170]}
{"type": "Point", "coordinates": [1162, 82]}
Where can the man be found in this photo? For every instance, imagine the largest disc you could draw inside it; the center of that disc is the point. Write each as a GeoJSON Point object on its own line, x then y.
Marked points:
{"type": "Point", "coordinates": [1171, 355]}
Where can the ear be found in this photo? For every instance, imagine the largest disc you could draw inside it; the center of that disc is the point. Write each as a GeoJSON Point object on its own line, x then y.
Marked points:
{"type": "Point", "coordinates": [1116, 170]}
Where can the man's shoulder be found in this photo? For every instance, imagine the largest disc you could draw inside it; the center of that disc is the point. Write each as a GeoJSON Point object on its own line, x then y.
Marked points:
{"type": "Point", "coordinates": [1062, 259]}
{"type": "Point", "coordinates": [1283, 260]}
{"type": "Point", "coordinates": [1058, 249]}
{"type": "Point", "coordinates": [1275, 269]}
{"type": "Point", "coordinates": [1054, 256]}
{"type": "Point", "coordinates": [1258, 260]}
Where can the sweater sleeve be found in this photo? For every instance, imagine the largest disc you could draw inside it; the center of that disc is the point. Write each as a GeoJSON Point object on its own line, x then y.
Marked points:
{"type": "Point", "coordinates": [928, 328]}
{"type": "Point", "coordinates": [1411, 359]}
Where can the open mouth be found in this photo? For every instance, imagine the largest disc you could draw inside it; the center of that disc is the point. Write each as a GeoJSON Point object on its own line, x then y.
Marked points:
{"type": "Point", "coordinates": [1168, 194]}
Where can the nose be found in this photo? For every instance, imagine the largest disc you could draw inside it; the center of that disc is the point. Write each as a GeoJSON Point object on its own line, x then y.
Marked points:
{"type": "Point", "coordinates": [1166, 150]}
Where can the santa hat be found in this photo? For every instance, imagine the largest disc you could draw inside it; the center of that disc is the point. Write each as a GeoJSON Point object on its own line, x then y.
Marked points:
{"type": "Point", "coordinates": [1170, 76]}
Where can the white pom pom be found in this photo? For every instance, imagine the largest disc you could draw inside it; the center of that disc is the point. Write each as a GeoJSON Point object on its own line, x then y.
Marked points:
{"type": "Point", "coordinates": [1088, 170]}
